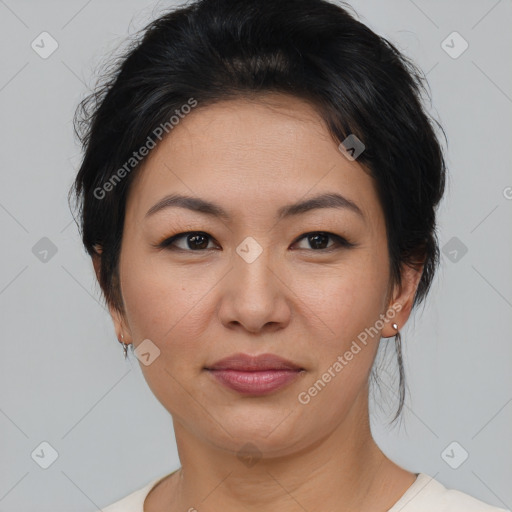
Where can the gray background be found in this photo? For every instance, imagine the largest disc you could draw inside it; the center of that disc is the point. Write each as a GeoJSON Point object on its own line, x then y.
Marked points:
{"type": "Point", "coordinates": [63, 377]}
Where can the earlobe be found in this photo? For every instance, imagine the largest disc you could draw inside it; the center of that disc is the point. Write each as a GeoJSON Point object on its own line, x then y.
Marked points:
{"type": "Point", "coordinates": [123, 333]}
{"type": "Point", "coordinates": [402, 300]}
{"type": "Point", "coordinates": [393, 323]}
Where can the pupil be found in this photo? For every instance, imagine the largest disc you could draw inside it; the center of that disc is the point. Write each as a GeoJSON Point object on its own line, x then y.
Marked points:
{"type": "Point", "coordinates": [313, 239]}
{"type": "Point", "coordinates": [194, 245]}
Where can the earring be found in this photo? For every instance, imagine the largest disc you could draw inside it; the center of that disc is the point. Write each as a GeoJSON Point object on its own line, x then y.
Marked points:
{"type": "Point", "coordinates": [125, 346]}
{"type": "Point", "coordinates": [398, 350]}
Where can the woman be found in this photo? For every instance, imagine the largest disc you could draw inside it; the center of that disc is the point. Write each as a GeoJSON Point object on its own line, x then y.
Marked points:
{"type": "Point", "coordinates": [258, 196]}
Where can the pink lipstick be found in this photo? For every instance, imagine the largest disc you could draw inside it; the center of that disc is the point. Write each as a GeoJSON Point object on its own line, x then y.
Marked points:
{"type": "Point", "coordinates": [254, 375]}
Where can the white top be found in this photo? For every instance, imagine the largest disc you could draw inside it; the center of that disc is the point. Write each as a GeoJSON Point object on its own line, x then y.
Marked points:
{"type": "Point", "coordinates": [425, 495]}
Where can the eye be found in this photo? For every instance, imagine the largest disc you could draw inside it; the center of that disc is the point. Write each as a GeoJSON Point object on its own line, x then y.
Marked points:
{"type": "Point", "coordinates": [192, 241]}
{"type": "Point", "coordinates": [319, 240]}
{"type": "Point", "coordinates": [197, 241]}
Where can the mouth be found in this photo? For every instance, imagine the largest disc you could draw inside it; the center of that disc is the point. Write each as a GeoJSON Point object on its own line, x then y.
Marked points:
{"type": "Point", "coordinates": [255, 375]}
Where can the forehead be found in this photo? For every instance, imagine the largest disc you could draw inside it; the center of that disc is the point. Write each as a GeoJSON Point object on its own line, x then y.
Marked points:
{"type": "Point", "coordinates": [250, 155]}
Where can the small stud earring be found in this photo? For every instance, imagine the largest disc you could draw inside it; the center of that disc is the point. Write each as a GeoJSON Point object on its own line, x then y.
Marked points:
{"type": "Point", "coordinates": [395, 326]}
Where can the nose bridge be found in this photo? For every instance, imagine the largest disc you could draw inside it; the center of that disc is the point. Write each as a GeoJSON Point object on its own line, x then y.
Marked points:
{"type": "Point", "coordinates": [253, 298]}
{"type": "Point", "coordinates": [252, 262]}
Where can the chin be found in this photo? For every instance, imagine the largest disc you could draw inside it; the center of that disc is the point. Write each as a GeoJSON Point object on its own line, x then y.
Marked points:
{"type": "Point", "coordinates": [273, 432]}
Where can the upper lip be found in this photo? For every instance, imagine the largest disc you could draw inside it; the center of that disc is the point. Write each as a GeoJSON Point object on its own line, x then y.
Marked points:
{"type": "Point", "coordinates": [246, 362]}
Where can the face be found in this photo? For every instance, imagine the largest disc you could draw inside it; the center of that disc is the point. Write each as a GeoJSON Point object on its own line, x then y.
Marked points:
{"type": "Point", "coordinates": [299, 283]}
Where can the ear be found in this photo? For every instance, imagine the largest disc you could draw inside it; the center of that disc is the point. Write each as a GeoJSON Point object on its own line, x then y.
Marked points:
{"type": "Point", "coordinates": [118, 318]}
{"type": "Point", "coordinates": [120, 325]}
{"type": "Point", "coordinates": [402, 300]}
{"type": "Point", "coordinates": [96, 261]}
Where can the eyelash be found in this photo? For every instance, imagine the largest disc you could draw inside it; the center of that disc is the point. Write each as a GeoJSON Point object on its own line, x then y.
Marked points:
{"type": "Point", "coordinates": [340, 242]}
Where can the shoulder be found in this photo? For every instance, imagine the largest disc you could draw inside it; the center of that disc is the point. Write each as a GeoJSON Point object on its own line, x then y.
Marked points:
{"type": "Point", "coordinates": [134, 502]}
{"type": "Point", "coordinates": [429, 495]}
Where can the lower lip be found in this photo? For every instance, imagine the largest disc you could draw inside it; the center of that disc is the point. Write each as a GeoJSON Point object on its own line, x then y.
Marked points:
{"type": "Point", "coordinates": [255, 382]}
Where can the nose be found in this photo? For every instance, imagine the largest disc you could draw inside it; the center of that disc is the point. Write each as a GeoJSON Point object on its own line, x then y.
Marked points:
{"type": "Point", "coordinates": [255, 297]}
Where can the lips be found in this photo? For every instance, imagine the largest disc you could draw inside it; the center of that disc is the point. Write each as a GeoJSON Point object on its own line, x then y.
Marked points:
{"type": "Point", "coordinates": [255, 375]}
{"type": "Point", "coordinates": [248, 363]}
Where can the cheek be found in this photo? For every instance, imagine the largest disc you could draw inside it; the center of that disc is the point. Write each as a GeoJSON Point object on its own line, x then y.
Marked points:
{"type": "Point", "coordinates": [347, 297]}
{"type": "Point", "coordinates": [165, 307]}
{"type": "Point", "coordinates": [349, 301]}
{"type": "Point", "coordinates": [155, 303]}
{"type": "Point", "coordinates": [165, 303]}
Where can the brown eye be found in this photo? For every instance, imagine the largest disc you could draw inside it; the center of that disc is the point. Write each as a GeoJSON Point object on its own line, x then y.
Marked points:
{"type": "Point", "coordinates": [197, 241]}
{"type": "Point", "coordinates": [319, 241]}
{"type": "Point", "coordinates": [190, 241]}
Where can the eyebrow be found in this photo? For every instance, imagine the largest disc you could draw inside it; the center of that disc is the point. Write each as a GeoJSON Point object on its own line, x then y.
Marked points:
{"type": "Point", "coordinates": [197, 204]}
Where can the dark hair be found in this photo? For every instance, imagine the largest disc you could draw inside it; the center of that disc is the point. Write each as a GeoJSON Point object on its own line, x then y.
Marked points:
{"type": "Point", "coordinates": [212, 50]}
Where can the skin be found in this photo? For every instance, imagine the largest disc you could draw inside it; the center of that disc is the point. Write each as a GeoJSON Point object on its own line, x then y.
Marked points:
{"type": "Point", "coordinates": [253, 156]}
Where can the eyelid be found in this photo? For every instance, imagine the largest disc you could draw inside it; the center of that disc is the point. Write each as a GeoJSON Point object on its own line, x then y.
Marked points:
{"type": "Point", "coordinates": [167, 242]}
{"type": "Point", "coordinates": [340, 241]}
